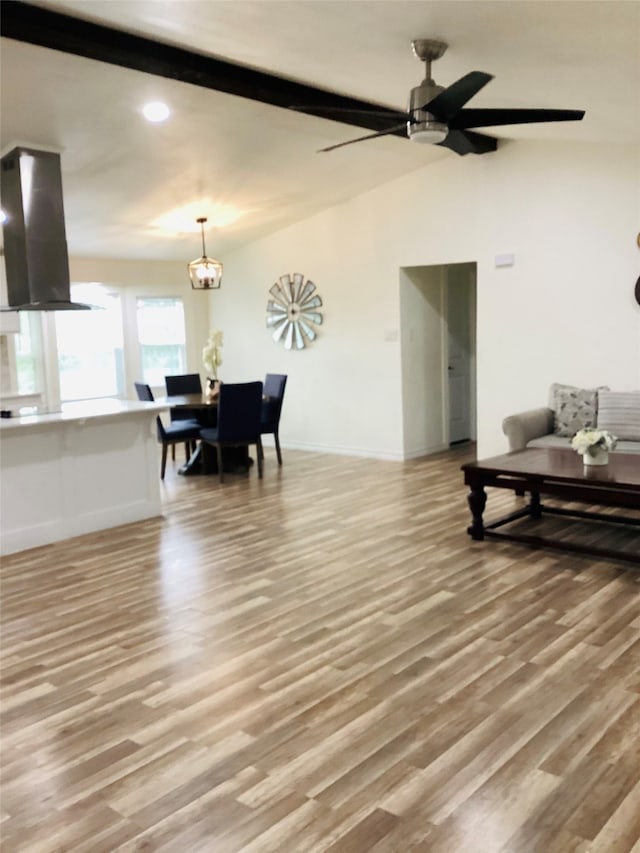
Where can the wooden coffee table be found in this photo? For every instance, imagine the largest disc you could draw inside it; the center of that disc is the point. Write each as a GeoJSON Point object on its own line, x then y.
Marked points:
{"type": "Point", "coordinates": [560, 474]}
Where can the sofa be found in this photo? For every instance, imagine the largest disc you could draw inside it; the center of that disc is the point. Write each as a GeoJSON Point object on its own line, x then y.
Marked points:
{"type": "Point", "coordinates": [571, 408]}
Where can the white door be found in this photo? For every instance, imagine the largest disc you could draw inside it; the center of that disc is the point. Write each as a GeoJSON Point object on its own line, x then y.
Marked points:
{"type": "Point", "coordinates": [459, 361]}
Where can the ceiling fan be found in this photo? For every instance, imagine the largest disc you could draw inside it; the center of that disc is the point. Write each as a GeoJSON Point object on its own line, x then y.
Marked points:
{"type": "Point", "coordinates": [436, 115]}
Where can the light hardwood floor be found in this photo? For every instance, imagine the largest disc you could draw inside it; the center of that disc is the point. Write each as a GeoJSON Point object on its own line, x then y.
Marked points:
{"type": "Point", "coordinates": [319, 661]}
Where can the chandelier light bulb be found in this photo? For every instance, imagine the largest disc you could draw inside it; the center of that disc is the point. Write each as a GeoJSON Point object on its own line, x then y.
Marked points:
{"type": "Point", "coordinates": [205, 273]}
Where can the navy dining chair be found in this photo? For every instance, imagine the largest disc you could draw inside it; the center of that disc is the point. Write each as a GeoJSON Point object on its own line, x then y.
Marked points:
{"type": "Point", "coordinates": [181, 432]}
{"type": "Point", "coordinates": [182, 383]}
{"type": "Point", "coordinates": [274, 385]}
{"type": "Point", "coordinates": [239, 407]}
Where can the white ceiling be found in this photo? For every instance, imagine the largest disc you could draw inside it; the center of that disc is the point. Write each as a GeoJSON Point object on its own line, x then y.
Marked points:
{"type": "Point", "coordinates": [220, 152]}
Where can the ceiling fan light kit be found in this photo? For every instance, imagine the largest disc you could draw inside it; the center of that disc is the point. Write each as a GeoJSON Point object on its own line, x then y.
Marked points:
{"type": "Point", "coordinates": [205, 273]}
{"type": "Point", "coordinates": [424, 127]}
{"type": "Point", "coordinates": [427, 132]}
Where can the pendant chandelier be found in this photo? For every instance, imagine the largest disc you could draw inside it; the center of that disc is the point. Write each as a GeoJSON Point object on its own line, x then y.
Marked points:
{"type": "Point", "coordinates": [205, 273]}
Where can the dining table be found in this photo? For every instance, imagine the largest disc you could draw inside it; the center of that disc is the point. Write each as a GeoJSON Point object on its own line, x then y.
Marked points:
{"type": "Point", "coordinates": [204, 408]}
{"type": "Point", "coordinates": [202, 405]}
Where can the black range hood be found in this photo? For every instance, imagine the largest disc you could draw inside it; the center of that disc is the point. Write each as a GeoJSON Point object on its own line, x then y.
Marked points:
{"type": "Point", "coordinates": [35, 242]}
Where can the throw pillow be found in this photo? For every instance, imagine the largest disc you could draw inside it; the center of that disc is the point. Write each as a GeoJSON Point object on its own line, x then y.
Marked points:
{"type": "Point", "coordinates": [558, 386]}
{"type": "Point", "coordinates": [619, 412]}
{"type": "Point", "coordinates": [576, 408]}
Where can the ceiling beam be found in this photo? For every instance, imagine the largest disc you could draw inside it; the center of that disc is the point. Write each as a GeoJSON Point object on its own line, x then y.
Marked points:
{"type": "Point", "coordinates": [36, 25]}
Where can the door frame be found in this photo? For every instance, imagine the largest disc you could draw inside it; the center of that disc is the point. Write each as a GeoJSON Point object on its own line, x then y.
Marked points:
{"type": "Point", "coordinates": [424, 355]}
{"type": "Point", "coordinates": [471, 288]}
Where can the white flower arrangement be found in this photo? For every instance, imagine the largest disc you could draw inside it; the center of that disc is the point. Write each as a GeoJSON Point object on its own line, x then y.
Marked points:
{"type": "Point", "coordinates": [211, 353]}
{"type": "Point", "coordinates": [589, 441]}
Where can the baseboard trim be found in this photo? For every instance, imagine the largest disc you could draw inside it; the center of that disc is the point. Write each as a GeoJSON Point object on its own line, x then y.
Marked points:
{"type": "Point", "coordinates": [367, 453]}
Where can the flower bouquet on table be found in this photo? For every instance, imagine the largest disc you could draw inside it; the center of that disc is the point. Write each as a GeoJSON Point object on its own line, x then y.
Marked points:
{"type": "Point", "coordinates": [212, 359]}
{"type": "Point", "coordinates": [594, 445]}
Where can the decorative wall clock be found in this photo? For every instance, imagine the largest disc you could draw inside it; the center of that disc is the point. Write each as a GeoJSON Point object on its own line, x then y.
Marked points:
{"type": "Point", "coordinates": [293, 311]}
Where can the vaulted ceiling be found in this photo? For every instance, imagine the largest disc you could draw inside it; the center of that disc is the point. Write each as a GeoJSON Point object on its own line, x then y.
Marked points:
{"type": "Point", "coordinates": [253, 167]}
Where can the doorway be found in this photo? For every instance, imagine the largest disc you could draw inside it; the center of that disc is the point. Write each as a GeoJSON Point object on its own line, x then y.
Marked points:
{"type": "Point", "coordinates": [438, 353]}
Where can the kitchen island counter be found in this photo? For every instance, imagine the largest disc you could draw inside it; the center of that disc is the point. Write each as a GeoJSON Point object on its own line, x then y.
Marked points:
{"type": "Point", "coordinates": [84, 410]}
{"type": "Point", "coordinates": [90, 466]}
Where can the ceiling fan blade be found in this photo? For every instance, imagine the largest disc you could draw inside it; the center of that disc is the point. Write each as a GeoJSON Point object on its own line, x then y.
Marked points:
{"type": "Point", "coordinates": [445, 105]}
{"type": "Point", "coordinates": [361, 138]}
{"type": "Point", "coordinates": [344, 111]}
{"type": "Point", "coordinates": [494, 118]}
{"type": "Point", "coordinates": [467, 142]}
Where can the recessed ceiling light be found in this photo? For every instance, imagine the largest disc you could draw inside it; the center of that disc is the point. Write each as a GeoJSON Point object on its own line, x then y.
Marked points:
{"type": "Point", "coordinates": [156, 111]}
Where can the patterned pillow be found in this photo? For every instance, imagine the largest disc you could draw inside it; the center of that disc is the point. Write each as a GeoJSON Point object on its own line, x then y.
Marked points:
{"type": "Point", "coordinates": [558, 386]}
{"type": "Point", "coordinates": [575, 408]}
{"type": "Point", "coordinates": [619, 412]}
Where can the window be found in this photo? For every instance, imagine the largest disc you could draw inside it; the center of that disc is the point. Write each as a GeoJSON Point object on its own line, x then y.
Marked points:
{"type": "Point", "coordinates": [26, 355]}
{"type": "Point", "coordinates": [161, 333]}
{"type": "Point", "coordinates": [90, 346]}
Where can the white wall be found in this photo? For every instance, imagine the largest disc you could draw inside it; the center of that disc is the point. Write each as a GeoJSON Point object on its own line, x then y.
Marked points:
{"type": "Point", "coordinates": [343, 393]}
{"type": "Point", "coordinates": [564, 312]}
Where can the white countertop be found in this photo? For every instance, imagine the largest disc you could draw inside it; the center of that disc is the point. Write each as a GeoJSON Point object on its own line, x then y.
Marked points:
{"type": "Point", "coordinates": [83, 411]}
